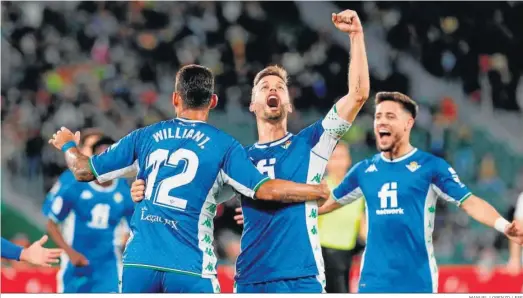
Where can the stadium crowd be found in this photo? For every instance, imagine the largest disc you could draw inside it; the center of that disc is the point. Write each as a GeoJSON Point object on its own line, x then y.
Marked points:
{"type": "Point", "coordinates": [111, 65]}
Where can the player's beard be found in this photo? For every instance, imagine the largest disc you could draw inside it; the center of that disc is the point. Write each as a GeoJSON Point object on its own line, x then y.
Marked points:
{"type": "Point", "coordinates": [275, 116]}
{"type": "Point", "coordinates": [390, 147]}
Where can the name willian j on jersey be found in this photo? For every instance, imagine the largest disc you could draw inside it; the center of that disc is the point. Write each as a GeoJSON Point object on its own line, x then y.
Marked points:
{"type": "Point", "coordinates": [182, 133]}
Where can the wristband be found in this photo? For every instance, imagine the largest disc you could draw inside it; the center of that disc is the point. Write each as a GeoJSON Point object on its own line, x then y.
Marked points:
{"type": "Point", "coordinates": [500, 224]}
{"type": "Point", "coordinates": [68, 146]}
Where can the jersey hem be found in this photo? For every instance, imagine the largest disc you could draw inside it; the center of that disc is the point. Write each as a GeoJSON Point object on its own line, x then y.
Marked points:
{"type": "Point", "coordinates": [311, 273]}
{"type": "Point", "coordinates": [167, 270]}
{"type": "Point", "coordinates": [91, 167]}
{"type": "Point", "coordinates": [255, 189]}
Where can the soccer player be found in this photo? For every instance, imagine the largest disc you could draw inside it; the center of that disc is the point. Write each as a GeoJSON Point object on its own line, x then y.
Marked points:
{"type": "Point", "coordinates": [83, 221]}
{"type": "Point", "coordinates": [280, 245]}
{"type": "Point", "coordinates": [35, 254]}
{"type": "Point", "coordinates": [89, 137]}
{"type": "Point", "coordinates": [185, 162]}
{"type": "Point", "coordinates": [401, 186]}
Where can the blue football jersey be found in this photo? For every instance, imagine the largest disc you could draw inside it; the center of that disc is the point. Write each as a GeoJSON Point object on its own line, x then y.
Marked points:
{"type": "Point", "coordinates": [89, 214]}
{"type": "Point", "coordinates": [400, 196]}
{"type": "Point", "coordinates": [65, 179]}
{"type": "Point", "coordinates": [280, 241]}
{"type": "Point", "coordinates": [184, 163]}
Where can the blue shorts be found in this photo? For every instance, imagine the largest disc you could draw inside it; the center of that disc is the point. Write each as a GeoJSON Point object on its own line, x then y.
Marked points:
{"type": "Point", "coordinates": [299, 285]}
{"type": "Point", "coordinates": [144, 280]}
{"type": "Point", "coordinates": [94, 278]}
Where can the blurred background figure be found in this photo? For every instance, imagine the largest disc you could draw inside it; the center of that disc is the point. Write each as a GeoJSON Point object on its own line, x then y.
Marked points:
{"type": "Point", "coordinates": [340, 229]}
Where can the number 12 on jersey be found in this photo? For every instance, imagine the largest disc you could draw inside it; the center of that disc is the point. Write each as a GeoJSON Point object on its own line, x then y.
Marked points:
{"type": "Point", "coordinates": [160, 158]}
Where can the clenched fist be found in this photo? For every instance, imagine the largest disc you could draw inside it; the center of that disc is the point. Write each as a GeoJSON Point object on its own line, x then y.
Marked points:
{"type": "Point", "coordinates": [347, 21]}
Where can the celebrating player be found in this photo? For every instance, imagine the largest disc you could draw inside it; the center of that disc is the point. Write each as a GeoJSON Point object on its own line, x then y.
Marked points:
{"type": "Point", "coordinates": [185, 162]}
{"type": "Point", "coordinates": [401, 186]}
{"type": "Point", "coordinates": [35, 254]}
{"type": "Point", "coordinates": [280, 246]}
{"type": "Point", "coordinates": [89, 214]}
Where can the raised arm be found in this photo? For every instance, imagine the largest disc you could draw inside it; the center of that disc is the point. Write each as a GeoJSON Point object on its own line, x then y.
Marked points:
{"type": "Point", "coordinates": [78, 163]}
{"type": "Point", "coordinates": [117, 161]}
{"type": "Point", "coordinates": [349, 105]}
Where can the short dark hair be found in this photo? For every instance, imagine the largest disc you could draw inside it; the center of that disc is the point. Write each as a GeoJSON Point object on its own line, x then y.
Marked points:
{"type": "Point", "coordinates": [406, 102]}
{"type": "Point", "coordinates": [273, 70]}
{"type": "Point", "coordinates": [89, 132]}
{"type": "Point", "coordinates": [104, 140]}
{"type": "Point", "coordinates": [195, 85]}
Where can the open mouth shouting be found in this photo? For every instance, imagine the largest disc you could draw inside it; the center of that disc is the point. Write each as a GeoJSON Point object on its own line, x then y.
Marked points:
{"type": "Point", "coordinates": [384, 134]}
{"type": "Point", "coordinates": [273, 102]}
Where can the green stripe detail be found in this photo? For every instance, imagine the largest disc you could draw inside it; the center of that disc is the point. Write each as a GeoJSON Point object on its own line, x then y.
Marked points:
{"type": "Point", "coordinates": [335, 110]}
{"type": "Point", "coordinates": [91, 166]}
{"type": "Point", "coordinates": [260, 183]}
{"type": "Point", "coordinates": [465, 197]}
{"type": "Point", "coordinates": [162, 269]}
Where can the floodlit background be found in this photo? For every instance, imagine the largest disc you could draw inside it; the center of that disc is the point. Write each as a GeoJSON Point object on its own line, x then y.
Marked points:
{"type": "Point", "coordinates": [111, 65]}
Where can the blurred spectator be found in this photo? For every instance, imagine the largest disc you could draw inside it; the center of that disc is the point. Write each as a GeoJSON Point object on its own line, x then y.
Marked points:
{"type": "Point", "coordinates": [464, 160]}
{"type": "Point", "coordinates": [488, 180]}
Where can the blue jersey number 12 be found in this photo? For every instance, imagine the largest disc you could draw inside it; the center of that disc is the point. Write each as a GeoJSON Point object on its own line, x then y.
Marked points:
{"type": "Point", "coordinates": [160, 158]}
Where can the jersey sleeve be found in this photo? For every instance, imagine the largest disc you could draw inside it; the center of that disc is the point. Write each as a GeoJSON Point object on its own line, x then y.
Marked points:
{"type": "Point", "coordinates": [118, 160]}
{"type": "Point", "coordinates": [349, 189]}
{"type": "Point", "coordinates": [239, 172]}
{"type": "Point", "coordinates": [62, 203]}
{"type": "Point", "coordinates": [518, 213]}
{"type": "Point", "coordinates": [10, 250]}
{"type": "Point", "coordinates": [64, 180]}
{"type": "Point", "coordinates": [447, 185]}
{"type": "Point", "coordinates": [331, 128]}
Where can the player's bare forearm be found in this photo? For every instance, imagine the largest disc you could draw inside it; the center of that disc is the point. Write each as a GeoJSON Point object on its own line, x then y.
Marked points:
{"type": "Point", "coordinates": [79, 165]}
{"type": "Point", "coordinates": [480, 210]}
{"type": "Point", "coordinates": [56, 235]}
{"type": "Point", "coordinates": [329, 206]}
{"type": "Point", "coordinates": [290, 192]}
{"type": "Point", "coordinates": [349, 105]}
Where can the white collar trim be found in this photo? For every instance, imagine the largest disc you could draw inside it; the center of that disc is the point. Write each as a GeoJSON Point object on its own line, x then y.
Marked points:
{"type": "Point", "coordinates": [274, 143]}
{"type": "Point", "coordinates": [400, 158]}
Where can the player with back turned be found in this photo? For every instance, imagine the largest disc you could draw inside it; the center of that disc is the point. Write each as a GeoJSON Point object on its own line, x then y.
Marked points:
{"type": "Point", "coordinates": [185, 162]}
{"type": "Point", "coordinates": [281, 251]}
{"type": "Point", "coordinates": [401, 186]}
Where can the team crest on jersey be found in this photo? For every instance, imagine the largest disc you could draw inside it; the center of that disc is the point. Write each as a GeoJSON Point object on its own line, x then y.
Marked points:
{"type": "Point", "coordinates": [286, 144]}
{"type": "Point", "coordinates": [86, 195]}
{"type": "Point", "coordinates": [118, 197]}
{"type": "Point", "coordinates": [413, 166]}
